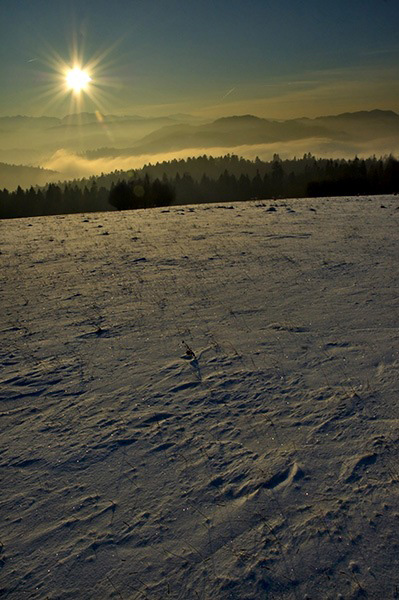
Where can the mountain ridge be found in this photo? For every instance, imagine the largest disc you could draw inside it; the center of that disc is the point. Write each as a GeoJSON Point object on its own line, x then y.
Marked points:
{"type": "Point", "coordinates": [236, 130]}
{"type": "Point", "coordinates": [92, 117]}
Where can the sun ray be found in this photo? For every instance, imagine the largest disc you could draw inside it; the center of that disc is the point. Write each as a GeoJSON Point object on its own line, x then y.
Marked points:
{"type": "Point", "coordinates": [78, 83]}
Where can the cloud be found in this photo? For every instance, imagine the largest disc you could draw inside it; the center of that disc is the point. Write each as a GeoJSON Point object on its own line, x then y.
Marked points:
{"type": "Point", "coordinates": [74, 166]}
{"type": "Point", "coordinates": [71, 165]}
{"type": "Point", "coordinates": [308, 93]}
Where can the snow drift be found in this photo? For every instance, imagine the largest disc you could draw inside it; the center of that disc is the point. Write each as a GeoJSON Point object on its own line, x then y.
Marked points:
{"type": "Point", "coordinates": [201, 402]}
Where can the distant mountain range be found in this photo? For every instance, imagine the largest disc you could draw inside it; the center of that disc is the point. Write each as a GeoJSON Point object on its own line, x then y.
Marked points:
{"type": "Point", "coordinates": [230, 132]}
{"type": "Point", "coordinates": [93, 136]}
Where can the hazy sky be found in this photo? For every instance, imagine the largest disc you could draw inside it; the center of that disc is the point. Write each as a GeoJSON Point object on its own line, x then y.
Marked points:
{"type": "Point", "coordinates": [278, 59]}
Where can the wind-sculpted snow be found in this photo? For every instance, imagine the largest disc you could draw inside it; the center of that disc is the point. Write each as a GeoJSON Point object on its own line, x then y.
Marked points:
{"type": "Point", "coordinates": [201, 402]}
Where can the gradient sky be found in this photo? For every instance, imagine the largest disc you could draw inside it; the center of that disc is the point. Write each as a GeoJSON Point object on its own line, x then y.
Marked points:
{"type": "Point", "coordinates": [275, 59]}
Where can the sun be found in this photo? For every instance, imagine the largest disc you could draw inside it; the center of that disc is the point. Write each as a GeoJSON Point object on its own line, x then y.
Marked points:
{"type": "Point", "coordinates": [77, 79]}
{"type": "Point", "coordinates": [84, 81]}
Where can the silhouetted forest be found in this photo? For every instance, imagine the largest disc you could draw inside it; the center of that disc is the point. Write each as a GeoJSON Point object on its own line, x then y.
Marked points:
{"type": "Point", "coordinates": [140, 193]}
{"type": "Point", "coordinates": [207, 179]}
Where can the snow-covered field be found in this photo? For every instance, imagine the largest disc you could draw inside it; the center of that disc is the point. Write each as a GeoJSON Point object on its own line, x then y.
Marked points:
{"type": "Point", "coordinates": [201, 403]}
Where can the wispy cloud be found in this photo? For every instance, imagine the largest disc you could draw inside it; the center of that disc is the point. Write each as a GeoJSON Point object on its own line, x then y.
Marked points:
{"type": "Point", "coordinates": [319, 94]}
{"type": "Point", "coordinates": [310, 93]}
{"type": "Point", "coordinates": [228, 93]}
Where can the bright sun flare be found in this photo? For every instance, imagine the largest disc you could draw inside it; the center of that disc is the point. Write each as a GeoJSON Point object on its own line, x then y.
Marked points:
{"type": "Point", "coordinates": [77, 79]}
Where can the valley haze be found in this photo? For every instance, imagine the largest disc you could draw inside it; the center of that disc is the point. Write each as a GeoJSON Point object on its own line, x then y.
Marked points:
{"type": "Point", "coordinates": [87, 144]}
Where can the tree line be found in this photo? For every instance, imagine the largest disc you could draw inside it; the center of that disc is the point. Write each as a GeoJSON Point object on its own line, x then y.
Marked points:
{"type": "Point", "coordinates": [207, 179]}
{"type": "Point", "coordinates": [69, 198]}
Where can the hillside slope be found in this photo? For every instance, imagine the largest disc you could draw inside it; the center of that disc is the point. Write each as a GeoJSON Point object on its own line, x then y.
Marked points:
{"type": "Point", "coordinates": [12, 176]}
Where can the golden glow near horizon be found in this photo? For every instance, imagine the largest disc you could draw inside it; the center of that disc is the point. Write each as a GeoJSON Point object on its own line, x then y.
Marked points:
{"type": "Point", "coordinates": [77, 79]}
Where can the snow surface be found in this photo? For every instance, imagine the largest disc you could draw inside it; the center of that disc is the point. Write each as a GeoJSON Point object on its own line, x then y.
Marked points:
{"type": "Point", "coordinates": [201, 402]}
